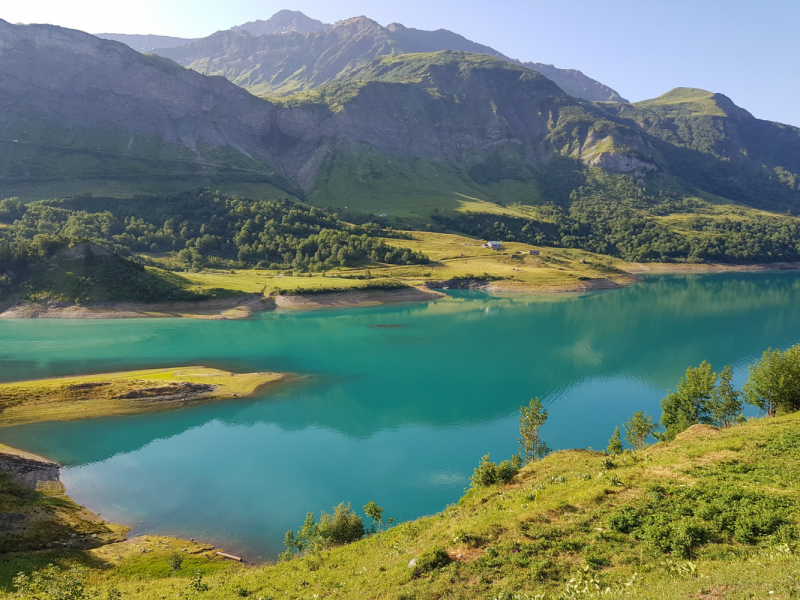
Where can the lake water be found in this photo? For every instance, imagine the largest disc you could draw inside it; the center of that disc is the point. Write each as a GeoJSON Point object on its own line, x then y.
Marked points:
{"type": "Point", "coordinates": [400, 403]}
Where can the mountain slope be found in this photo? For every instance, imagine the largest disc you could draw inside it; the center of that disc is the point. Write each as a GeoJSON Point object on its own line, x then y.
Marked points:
{"type": "Point", "coordinates": [719, 146]}
{"type": "Point", "coordinates": [284, 64]}
{"type": "Point", "coordinates": [421, 137]}
{"type": "Point", "coordinates": [120, 109]}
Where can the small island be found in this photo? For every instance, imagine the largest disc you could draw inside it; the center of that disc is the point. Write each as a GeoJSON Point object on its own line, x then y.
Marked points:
{"type": "Point", "coordinates": [125, 393]}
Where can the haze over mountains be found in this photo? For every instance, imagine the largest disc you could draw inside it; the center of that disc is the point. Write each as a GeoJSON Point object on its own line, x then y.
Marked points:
{"type": "Point", "coordinates": [291, 52]}
{"type": "Point", "coordinates": [426, 130]}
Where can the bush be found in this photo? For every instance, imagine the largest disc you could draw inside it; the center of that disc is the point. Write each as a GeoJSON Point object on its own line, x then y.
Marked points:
{"type": "Point", "coordinates": [428, 561]}
{"type": "Point", "coordinates": [625, 519]}
{"type": "Point", "coordinates": [677, 520]}
{"type": "Point", "coordinates": [52, 583]}
{"type": "Point", "coordinates": [488, 473]}
{"type": "Point", "coordinates": [344, 526]}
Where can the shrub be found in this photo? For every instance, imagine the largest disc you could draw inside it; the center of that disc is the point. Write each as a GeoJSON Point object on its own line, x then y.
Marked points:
{"type": "Point", "coordinates": [625, 519]}
{"type": "Point", "coordinates": [344, 526]}
{"type": "Point", "coordinates": [488, 473]}
{"type": "Point", "coordinates": [431, 560]}
{"type": "Point", "coordinates": [52, 583]}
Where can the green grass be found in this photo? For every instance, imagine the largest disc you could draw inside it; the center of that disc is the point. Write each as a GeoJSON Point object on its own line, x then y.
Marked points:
{"type": "Point", "coordinates": [54, 164]}
{"type": "Point", "coordinates": [91, 396]}
{"type": "Point", "coordinates": [695, 101]}
{"type": "Point", "coordinates": [453, 256]}
{"type": "Point", "coordinates": [714, 514]}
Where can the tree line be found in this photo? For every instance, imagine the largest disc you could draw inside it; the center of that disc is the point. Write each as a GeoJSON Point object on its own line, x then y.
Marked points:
{"type": "Point", "coordinates": [200, 227]}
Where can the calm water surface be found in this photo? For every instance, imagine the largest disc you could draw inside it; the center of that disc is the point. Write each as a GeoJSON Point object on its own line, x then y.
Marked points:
{"type": "Point", "coordinates": [397, 414]}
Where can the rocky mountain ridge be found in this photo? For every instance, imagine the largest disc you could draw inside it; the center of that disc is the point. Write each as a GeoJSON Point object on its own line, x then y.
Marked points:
{"type": "Point", "coordinates": [289, 61]}
{"type": "Point", "coordinates": [474, 120]}
{"type": "Point", "coordinates": [283, 21]}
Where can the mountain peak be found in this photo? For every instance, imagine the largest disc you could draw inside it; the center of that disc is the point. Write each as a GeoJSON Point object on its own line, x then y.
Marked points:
{"type": "Point", "coordinates": [697, 101]}
{"type": "Point", "coordinates": [283, 21]}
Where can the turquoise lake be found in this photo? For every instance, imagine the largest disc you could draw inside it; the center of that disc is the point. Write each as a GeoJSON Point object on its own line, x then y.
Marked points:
{"type": "Point", "coordinates": [399, 404]}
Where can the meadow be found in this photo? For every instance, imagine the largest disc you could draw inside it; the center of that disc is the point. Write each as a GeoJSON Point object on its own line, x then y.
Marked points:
{"type": "Point", "coordinates": [712, 514]}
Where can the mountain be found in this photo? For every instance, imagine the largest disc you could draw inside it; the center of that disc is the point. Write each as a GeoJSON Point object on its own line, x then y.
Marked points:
{"type": "Point", "coordinates": [286, 63]}
{"type": "Point", "coordinates": [463, 141]}
{"type": "Point", "coordinates": [717, 146]}
{"type": "Point", "coordinates": [126, 114]}
{"type": "Point", "coordinates": [146, 43]}
{"type": "Point", "coordinates": [283, 21]}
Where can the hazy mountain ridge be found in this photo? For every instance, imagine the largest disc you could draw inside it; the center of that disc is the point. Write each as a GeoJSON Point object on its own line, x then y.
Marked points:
{"type": "Point", "coordinates": [146, 43]}
{"type": "Point", "coordinates": [281, 65]}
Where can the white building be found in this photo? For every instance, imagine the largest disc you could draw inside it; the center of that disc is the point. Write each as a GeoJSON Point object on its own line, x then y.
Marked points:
{"type": "Point", "coordinates": [493, 245]}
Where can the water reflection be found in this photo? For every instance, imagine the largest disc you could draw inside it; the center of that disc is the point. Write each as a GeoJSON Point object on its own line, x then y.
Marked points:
{"type": "Point", "coordinates": [399, 402]}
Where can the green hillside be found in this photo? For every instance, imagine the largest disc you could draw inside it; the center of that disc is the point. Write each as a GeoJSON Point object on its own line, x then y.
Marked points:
{"type": "Point", "coordinates": [713, 514]}
{"type": "Point", "coordinates": [49, 270]}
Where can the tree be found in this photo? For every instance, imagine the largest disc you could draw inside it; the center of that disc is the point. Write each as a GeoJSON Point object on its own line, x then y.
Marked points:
{"type": "Point", "coordinates": [774, 382]}
{"type": "Point", "coordinates": [689, 403]}
{"type": "Point", "coordinates": [725, 406]}
{"type": "Point", "coordinates": [638, 428]}
{"type": "Point", "coordinates": [531, 419]}
{"type": "Point", "coordinates": [375, 512]}
{"type": "Point", "coordinates": [615, 443]}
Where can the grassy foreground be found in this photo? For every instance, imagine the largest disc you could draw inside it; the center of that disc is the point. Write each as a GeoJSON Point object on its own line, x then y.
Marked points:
{"type": "Point", "coordinates": [127, 393]}
{"type": "Point", "coordinates": [712, 515]}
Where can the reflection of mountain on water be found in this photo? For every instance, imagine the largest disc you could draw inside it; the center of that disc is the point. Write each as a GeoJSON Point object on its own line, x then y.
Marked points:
{"type": "Point", "coordinates": [452, 364]}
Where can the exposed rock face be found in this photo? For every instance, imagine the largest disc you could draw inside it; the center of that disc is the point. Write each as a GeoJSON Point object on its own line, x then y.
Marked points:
{"type": "Point", "coordinates": [66, 89]}
{"type": "Point", "coordinates": [56, 79]}
{"type": "Point", "coordinates": [75, 90]}
{"type": "Point", "coordinates": [29, 472]}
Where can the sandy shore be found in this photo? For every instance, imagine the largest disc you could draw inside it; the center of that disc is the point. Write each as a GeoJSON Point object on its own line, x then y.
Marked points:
{"type": "Point", "coordinates": [357, 298]}
{"type": "Point", "coordinates": [227, 308]}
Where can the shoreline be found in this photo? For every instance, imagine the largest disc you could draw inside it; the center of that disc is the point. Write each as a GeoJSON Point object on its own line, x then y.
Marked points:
{"type": "Point", "coordinates": [657, 268]}
{"type": "Point", "coordinates": [239, 307]}
{"type": "Point", "coordinates": [243, 307]}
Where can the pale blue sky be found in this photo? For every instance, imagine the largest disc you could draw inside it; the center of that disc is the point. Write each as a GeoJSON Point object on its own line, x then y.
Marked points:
{"type": "Point", "coordinates": [748, 50]}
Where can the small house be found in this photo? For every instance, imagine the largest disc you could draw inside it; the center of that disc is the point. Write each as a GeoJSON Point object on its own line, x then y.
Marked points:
{"type": "Point", "coordinates": [493, 245]}
{"type": "Point", "coordinates": [535, 252]}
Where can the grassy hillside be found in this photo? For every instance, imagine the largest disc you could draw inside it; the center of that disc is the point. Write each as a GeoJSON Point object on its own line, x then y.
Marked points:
{"type": "Point", "coordinates": [82, 272]}
{"type": "Point", "coordinates": [713, 514]}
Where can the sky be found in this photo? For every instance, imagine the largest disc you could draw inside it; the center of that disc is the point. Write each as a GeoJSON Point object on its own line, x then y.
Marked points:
{"type": "Point", "coordinates": [747, 50]}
